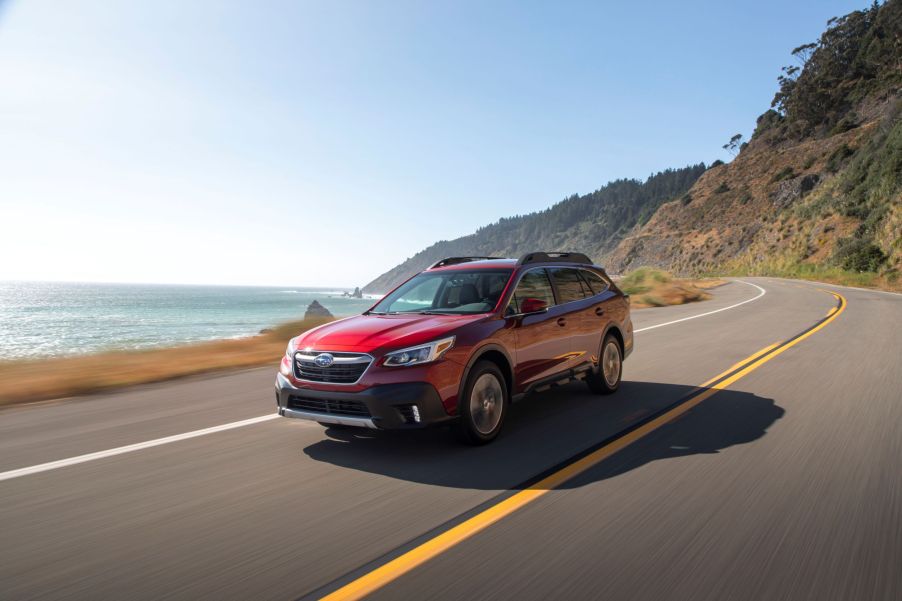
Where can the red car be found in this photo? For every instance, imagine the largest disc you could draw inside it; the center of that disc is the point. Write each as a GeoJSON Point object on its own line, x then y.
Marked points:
{"type": "Point", "coordinates": [458, 343]}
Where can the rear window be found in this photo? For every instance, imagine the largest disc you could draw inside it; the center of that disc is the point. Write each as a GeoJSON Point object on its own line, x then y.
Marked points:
{"type": "Point", "coordinates": [570, 286]}
{"type": "Point", "coordinates": [597, 283]}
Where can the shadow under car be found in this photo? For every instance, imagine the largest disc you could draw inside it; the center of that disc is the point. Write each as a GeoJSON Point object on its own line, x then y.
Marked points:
{"type": "Point", "coordinates": [546, 429]}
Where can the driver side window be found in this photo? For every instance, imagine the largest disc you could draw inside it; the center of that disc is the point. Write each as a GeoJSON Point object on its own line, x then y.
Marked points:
{"type": "Point", "coordinates": [534, 284]}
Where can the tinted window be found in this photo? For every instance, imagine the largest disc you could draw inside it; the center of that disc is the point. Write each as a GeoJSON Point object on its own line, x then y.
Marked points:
{"type": "Point", "coordinates": [594, 280]}
{"type": "Point", "coordinates": [534, 284]}
{"type": "Point", "coordinates": [456, 291]}
{"type": "Point", "coordinates": [570, 286]}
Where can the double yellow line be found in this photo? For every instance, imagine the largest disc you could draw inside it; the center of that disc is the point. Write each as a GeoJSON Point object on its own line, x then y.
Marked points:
{"type": "Point", "coordinates": [419, 555]}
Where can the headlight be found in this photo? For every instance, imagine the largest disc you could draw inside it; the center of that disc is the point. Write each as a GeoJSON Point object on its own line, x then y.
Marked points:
{"type": "Point", "coordinates": [416, 355]}
{"type": "Point", "coordinates": [286, 366]}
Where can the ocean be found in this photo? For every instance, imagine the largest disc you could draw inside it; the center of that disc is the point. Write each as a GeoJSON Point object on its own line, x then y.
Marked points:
{"type": "Point", "coordinates": [54, 319]}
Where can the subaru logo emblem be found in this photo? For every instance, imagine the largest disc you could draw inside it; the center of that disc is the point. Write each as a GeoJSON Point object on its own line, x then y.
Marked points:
{"type": "Point", "coordinates": [324, 360]}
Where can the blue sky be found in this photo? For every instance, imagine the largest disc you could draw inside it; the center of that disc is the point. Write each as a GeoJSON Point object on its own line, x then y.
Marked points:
{"type": "Point", "coordinates": [321, 143]}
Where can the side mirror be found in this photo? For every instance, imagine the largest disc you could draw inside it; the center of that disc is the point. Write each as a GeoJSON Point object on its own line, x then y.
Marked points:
{"type": "Point", "coordinates": [533, 305]}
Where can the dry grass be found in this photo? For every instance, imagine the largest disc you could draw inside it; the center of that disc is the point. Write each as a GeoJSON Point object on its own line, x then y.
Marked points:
{"type": "Point", "coordinates": [36, 380]}
{"type": "Point", "coordinates": [649, 287]}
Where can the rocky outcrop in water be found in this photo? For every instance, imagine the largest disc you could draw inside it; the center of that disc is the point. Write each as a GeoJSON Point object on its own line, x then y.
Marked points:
{"type": "Point", "coordinates": [316, 310]}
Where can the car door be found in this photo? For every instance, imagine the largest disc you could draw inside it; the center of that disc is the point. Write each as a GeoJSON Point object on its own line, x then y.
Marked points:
{"type": "Point", "coordinates": [542, 344]}
{"type": "Point", "coordinates": [576, 299]}
{"type": "Point", "coordinates": [604, 307]}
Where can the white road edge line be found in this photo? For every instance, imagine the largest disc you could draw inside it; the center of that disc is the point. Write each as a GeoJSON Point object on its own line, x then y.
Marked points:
{"type": "Point", "coordinates": [667, 323]}
{"type": "Point", "coordinates": [53, 465]}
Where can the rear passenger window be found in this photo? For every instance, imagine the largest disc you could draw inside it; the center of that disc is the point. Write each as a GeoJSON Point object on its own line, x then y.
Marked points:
{"type": "Point", "coordinates": [597, 283]}
{"type": "Point", "coordinates": [533, 284]}
{"type": "Point", "coordinates": [570, 286]}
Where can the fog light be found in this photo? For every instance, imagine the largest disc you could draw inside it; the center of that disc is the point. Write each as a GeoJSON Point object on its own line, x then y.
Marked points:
{"type": "Point", "coordinates": [416, 413]}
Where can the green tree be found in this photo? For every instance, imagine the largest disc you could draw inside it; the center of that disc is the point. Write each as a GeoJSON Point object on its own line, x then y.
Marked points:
{"type": "Point", "coordinates": [734, 146]}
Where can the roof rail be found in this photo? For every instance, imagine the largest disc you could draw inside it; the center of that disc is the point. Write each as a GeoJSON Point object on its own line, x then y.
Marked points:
{"type": "Point", "coordinates": [554, 257]}
{"type": "Point", "coordinates": [455, 260]}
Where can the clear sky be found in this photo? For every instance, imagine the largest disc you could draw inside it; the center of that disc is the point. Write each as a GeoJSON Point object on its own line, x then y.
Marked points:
{"type": "Point", "coordinates": [321, 143]}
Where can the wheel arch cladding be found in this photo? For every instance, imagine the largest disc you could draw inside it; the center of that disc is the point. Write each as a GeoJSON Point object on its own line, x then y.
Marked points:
{"type": "Point", "coordinates": [498, 358]}
{"type": "Point", "coordinates": [615, 332]}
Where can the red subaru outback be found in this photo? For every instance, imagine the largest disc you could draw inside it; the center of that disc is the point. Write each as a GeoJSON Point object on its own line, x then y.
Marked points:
{"type": "Point", "coordinates": [458, 342]}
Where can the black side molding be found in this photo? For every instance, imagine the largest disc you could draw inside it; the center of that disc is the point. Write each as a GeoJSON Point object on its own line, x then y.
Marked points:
{"type": "Point", "coordinates": [559, 379]}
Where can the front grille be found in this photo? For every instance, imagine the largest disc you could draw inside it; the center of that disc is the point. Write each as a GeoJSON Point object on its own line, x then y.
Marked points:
{"type": "Point", "coordinates": [329, 406]}
{"type": "Point", "coordinates": [345, 369]}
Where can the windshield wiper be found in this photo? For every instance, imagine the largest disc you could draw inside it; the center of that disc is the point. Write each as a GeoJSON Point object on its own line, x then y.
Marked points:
{"type": "Point", "coordinates": [409, 313]}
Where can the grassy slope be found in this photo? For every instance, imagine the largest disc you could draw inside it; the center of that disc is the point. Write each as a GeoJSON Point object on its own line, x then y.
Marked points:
{"type": "Point", "coordinates": [832, 234]}
{"type": "Point", "coordinates": [743, 218]}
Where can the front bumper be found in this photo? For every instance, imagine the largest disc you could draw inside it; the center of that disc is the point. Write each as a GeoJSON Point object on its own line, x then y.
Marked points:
{"type": "Point", "coordinates": [384, 407]}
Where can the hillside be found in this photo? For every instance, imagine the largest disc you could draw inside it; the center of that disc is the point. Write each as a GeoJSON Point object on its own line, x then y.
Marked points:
{"type": "Point", "coordinates": [593, 223]}
{"type": "Point", "coordinates": [816, 192]}
{"type": "Point", "coordinates": [818, 189]}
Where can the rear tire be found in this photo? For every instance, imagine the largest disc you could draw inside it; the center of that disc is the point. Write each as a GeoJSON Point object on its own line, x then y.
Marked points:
{"type": "Point", "coordinates": [606, 378]}
{"type": "Point", "coordinates": [483, 405]}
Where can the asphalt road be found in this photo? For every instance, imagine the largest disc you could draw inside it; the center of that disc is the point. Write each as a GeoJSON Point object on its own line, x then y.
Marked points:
{"type": "Point", "coordinates": [786, 484]}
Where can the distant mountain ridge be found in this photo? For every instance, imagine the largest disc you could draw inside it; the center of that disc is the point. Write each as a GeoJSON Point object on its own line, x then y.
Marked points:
{"type": "Point", "coordinates": [592, 223]}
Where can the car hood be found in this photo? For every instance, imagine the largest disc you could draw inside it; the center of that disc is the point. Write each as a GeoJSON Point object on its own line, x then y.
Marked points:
{"type": "Point", "coordinates": [369, 333]}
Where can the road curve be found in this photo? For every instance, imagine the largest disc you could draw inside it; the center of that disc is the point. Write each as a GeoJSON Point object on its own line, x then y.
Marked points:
{"type": "Point", "coordinates": [785, 484]}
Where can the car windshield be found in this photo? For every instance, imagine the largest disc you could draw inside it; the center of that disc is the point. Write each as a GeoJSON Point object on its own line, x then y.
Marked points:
{"type": "Point", "coordinates": [457, 292]}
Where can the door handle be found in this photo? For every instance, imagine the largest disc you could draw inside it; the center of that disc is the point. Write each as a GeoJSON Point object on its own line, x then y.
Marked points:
{"type": "Point", "coordinates": [561, 321]}
{"type": "Point", "coordinates": [599, 311]}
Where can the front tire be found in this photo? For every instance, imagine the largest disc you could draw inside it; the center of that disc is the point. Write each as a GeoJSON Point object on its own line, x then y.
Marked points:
{"type": "Point", "coordinates": [606, 378]}
{"type": "Point", "coordinates": [483, 405]}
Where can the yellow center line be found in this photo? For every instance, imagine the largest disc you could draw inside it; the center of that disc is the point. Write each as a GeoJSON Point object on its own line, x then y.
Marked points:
{"type": "Point", "coordinates": [419, 555]}
{"type": "Point", "coordinates": [739, 363]}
